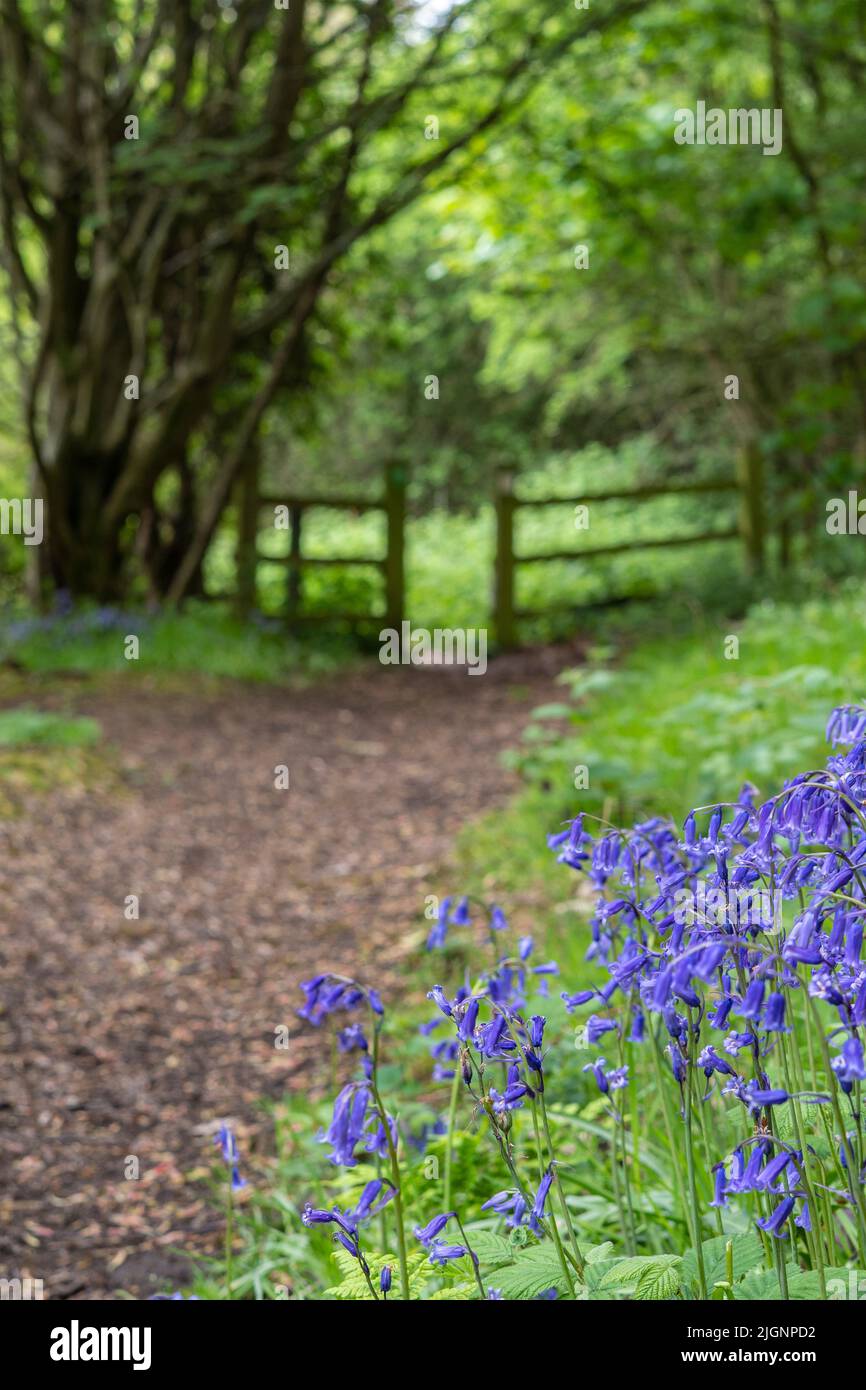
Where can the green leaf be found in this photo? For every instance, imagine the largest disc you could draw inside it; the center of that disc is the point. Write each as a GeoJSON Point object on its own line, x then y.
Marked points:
{"type": "Point", "coordinates": [353, 1286]}
{"type": "Point", "coordinates": [536, 1270]}
{"type": "Point", "coordinates": [598, 1252]}
{"type": "Point", "coordinates": [660, 1280]}
{"type": "Point", "coordinates": [627, 1272]}
{"type": "Point", "coordinates": [763, 1284]}
{"type": "Point", "coordinates": [492, 1249]}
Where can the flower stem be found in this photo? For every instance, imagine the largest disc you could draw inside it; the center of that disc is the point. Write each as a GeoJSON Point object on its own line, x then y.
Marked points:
{"type": "Point", "coordinates": [449, 1138]}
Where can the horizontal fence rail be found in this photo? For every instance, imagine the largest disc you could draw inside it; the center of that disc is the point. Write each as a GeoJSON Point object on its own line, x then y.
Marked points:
{"type": "Point", "coordinates": [749, 530]}
{"type": "Point", "coordinates": [391, 565]}
{"type": "Point", "coordinates": [747, 483]}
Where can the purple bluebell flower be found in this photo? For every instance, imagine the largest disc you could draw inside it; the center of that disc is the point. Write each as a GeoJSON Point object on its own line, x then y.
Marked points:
{"type": "Point", "coordinates": [849, 1065]}
{"type": "Point", "coordinates": [437, 994]}
{"type": "Point", "coordinates": [719, 1185]}
{"type": "Point", "coordinates": [427, 1234]}
{"type": "Point", "coordinates": [574, 1001]}
{"type": "Point", "coordinates": [536, 1216]}
{"type": "Point", "coordinates": [511, 1205]}
{"type": "Point", "coordinates": [460, 916]}
{"type": "Point", "coordinates": [775, 1222]}
{"type": "Point", "coordinates": [441, 1253]}
{"type": "Point", "coordinates": [752, 1002]}
{"type": "Point", "coordinates": [347, 1124]}
{"type": "Point", "coordinates": [774, 1014]}
{"type": "Point", "coordinates": [439, 931]}
{"type": "Point", "coordinates": [227, 1144]}
{"type": "Point", "coordinates": [596, 1027]}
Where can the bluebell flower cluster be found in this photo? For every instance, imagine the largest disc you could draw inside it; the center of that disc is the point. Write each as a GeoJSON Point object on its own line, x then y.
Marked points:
{"type": "Point", "coordinates": [717, 938]}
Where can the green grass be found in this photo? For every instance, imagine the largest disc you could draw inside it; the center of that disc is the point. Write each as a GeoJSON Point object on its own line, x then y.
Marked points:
{"type": "Point", "coordinates": [205, 638]}
{"type": "Point", "coordinates": [24, 727]}
{"type": "Point", "coordinates": [676, 724]}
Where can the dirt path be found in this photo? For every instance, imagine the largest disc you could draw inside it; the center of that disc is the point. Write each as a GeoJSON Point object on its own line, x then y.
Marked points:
{"type": "Point", "coordinates": [127, 1038]}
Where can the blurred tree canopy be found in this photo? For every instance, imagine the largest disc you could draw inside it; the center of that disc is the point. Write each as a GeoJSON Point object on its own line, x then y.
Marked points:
{"type": "Point", "coordinates": [316, 207]}
{"type": "Point", "coordinates": [703, 262]}
{"type": "Point", "coordinates": [179, 181]}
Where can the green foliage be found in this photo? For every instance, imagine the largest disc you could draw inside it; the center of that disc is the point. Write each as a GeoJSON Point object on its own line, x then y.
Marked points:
{"type": "Point", "coordinates": [677, 724]}
{"type": "Point", "coordinates": [21, 727]}
{"type": "Point", "coordinates": [203, 638]}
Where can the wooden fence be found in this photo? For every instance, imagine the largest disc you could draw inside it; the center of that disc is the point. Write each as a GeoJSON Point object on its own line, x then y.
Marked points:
{"type": "Point", "coordinates": [750, 530]}
{"type": "Point", "coordinates": [391, 564]}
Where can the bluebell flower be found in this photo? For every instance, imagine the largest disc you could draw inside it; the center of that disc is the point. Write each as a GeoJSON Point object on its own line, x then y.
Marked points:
{"type": "Point", "coordinates": [574, 1001]}
{"type": "Point", "coordinates": [439, 931]}
{"type": "Point", "coordinates": [385, 1279]}
{"type": "Point", "coordinates": [536, 1216]}
{"type": "Point", "coordinates": [347, 1124]}
{"type": "Point", "coordinates": [775, 1222]}
{"type": "Point", "coordinates": [441, 1253]}
{"type": "Point", "coordinates": [497, 920]}
{"type": "Point", "coordinates": [710, 1061]}
{"type": "Point", "coordinates": [460, 916]}
{"type": "Point", "coordinates": [427, 1234]}
{"type": "Point", "coordinates": [753, 1001]}
{"type": "Point", "coordinates": [227, 1144]}
{"type": "Point", "coordinates": [774, 1015]}
{"type": "Point", "coordinates": [678, 1063]}
{"type": "Point", "coordinates": [596, 1027]}
{"type": "Point", "coordinates": [467, 1021]}
{"type": "Point", "coordinates": [437, 994]}
{"type": "Point", "coordinates": [849, 1065]}
{"type": "Point", "coordinates": [511, 1205]}
{"type": "Point", "coordinates": [351, 1038]}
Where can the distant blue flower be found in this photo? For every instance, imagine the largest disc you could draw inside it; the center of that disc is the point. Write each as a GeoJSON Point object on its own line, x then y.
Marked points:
{"type": "Point", "coordinates": [439, 930]}
{"type": "Point", "coordinates": [227, 1144]}
{"type": "Point", "coordinates": [596, 1027]}
{"type": "Point", "coordinates": [849, 1065]}
{"type": "Point", "coordinates": [460, 916]}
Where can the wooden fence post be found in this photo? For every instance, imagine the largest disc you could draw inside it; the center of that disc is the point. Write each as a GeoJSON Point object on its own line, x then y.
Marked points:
{"type": "Point", "coordinates": [395, 572]}
{"type": "Point", "coordinates": [295, 586]}
{"type": "Point", "coordinates": [248, 526]}
{"type": "Point", "coordinates": [750, 479]}
{"type": "Point", "coordinates": [503, 599]}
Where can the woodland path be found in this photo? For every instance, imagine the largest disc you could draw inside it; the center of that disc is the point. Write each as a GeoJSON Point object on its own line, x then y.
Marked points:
{"type": "Point", "coordinates": [139, 1037]}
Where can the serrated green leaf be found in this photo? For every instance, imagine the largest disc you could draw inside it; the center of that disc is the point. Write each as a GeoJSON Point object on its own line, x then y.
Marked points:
{"type": "Point", "coordinates": [492, 1249]}
{"type": "Point", "coordinates": [628, 1271]}
{"type": "Point", "coordinates": [455, 1293]}
{"type": "Point", "coordinates": [763, 1284]}
{"type": "Point", "coordinates": [659, 1280]}
{"type": "Point", "coordinates": [536, 1269]}
{"type": "Point", "coordinates": [598, 1252]}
